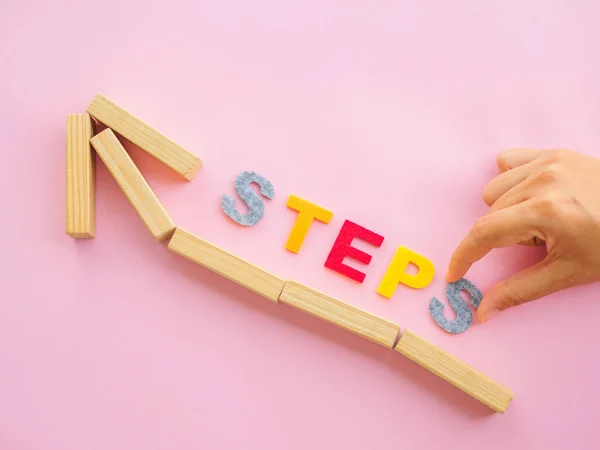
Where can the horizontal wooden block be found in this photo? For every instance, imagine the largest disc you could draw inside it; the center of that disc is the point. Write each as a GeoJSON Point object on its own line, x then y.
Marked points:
{"type": "Point", "coordinates": [454, 371]}
{"type": "Point", "coordinates": [134, 185]}
{"type": "Point", "coordinates": [144, 136]}
{"type": "Point", "coordinates": [225, 264]}
{"type": "Point", "coordinates": [339, 313]}
{"type": "Point", "coordinates": [81, 179]}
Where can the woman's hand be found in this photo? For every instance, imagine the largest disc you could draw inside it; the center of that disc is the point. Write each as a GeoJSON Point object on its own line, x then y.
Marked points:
{"type": "Point", "coordinates": [550, 197]}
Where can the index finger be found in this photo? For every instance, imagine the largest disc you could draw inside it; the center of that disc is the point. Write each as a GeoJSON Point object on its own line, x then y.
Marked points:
{"type": "Point", "coordinates": [499, 229]}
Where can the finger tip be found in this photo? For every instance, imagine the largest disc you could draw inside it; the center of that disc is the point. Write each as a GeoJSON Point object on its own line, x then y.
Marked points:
{"type": "Point", "coordinates": [488, 315]}
{"type": "Point", "coordinates": [456, 270]}
{"type": "Point", "coordinates": [488, 308]}
{"type": "Point", "coordinates": [482, 309]}
{"type": "Point", "coordinates": [452, 276]}
{"type": "Point", "coordinates": [480, 314]}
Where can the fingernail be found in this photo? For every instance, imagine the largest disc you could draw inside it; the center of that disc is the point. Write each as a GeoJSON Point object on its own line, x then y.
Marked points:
{"type": "Point", "coordinates": [490, 315]}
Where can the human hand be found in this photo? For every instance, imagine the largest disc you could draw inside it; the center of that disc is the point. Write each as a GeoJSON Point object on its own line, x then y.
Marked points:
{"type": "Point", "coordinates": [547, 197]}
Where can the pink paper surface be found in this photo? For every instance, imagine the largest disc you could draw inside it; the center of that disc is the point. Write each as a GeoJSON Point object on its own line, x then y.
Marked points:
{"type": "Point", "coordinates": [389, 113]}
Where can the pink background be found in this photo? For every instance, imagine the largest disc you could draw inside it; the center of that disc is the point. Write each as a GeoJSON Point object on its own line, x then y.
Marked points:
{"type": "Point", "coordinates": [390, 113]}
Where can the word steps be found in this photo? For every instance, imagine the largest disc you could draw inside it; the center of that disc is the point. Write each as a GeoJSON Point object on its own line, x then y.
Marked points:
{"type": "Point", "coordinates": [396, 273]}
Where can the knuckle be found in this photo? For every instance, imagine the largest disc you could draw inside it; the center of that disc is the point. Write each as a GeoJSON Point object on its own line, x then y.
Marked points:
{"type": "Point", "coordinates": [550, 174]}
{"type": "Point", "coordinates": [560, 154]}
{"type": "Point", "coordinates": [562, 276]}
{"type": "Point", "coordinates": [553, 156]}
{"type": "Point", "coordinates": [572, 278]}
{"type": "Point", "coordinates": [554, 205]}
{"type": "Point", "coordinates": [547, 206]}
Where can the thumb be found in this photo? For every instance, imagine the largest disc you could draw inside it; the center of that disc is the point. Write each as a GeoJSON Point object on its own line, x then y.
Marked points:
{"type": "Point", "coordinates": [539, 280]}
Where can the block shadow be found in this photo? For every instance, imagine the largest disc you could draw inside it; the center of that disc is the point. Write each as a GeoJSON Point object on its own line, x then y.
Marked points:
{"type": "Point", "coordinates": [454, 398]}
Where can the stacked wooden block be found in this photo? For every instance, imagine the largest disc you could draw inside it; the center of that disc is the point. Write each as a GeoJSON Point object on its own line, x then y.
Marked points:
{"type": "Point", "coordinates": [81, 224]}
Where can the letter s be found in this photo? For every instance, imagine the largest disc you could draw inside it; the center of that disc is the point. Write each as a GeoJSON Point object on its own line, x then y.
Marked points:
{"type": "Point", "coordinates": [458, 304]}
{"type": "Point", "coordinates": [256, 207]}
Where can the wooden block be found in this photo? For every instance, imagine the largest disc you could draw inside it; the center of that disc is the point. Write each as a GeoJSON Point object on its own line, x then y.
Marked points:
{"type": "Point", "coordinates": [339, 313]}
{"type": "Point", "coordinates": [225, 264]}
{"type": "Point", "coordinates": [81, 179]}
{"type": "Point", "coordinates": [144, 136]}
{"type": "Point", "coordinates": [454, 371]}
{"type": "Point", "coordinates": [134, 185]}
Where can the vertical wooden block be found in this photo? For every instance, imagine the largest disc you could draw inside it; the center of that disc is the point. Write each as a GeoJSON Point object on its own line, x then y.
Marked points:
{"type": "Point", "coordinates": [225, 264]}
{"type": "Point", "coordinates": [144, 136]}
{"type": "Point", "coordinates": [454, 371]}
{"type": "Point", "coordinates": [81, 178]}
{"type": "Point", "coordinates": [340, 314]}
{"type": "Point", "coordinates": [134, 185]}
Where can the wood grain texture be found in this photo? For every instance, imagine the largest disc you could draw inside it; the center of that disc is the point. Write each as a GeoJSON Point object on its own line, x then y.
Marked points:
{"type": "Point", "coordinates": [81, 178]}
{"type": "Point", "coordinates": [225, 264]}
{"type": "Point", "coordinates": [454, 371]}
{"type": "Point", "coordinates": [134, 185]}
{"type": "Point", "coordinates": [340, 313]}
{"type": "Point", "coordinates": [144, 136]}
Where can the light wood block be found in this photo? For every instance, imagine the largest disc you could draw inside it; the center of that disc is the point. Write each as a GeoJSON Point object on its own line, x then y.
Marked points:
{"type": "Point", "coordinates": [144, 136]}
{"type": "Point", "coordinates": [81, 178]}
{"type": "Point", "coordinates": [225, 264]}
{"type": "Point", "coordinates": [340, 313]}
{"type": "Point", "coordinates": [454, 371]}
{"type": "Point", "coordinates": [134, 185]}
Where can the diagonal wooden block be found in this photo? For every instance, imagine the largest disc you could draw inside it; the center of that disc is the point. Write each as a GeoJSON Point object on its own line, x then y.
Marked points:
{"type": "Point", "coordinates": [339, 313]}
{"type": "Point", "coordinates": [225, 264]}
{"type": "Point", "coordinates": [454, 371]}
{"type": "Point", "coordinates": [144, 136]}
{"type": "Point", "coordinates": [134, 185]}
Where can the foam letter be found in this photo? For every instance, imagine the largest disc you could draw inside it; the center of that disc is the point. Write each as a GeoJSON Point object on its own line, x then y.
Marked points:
{"type": "Point", "coordinates": [396, 272]}
{"type": "Point", "coordinates": [464, 317]}
{"type": "Point", "coordinates": [342, 247]}
{"type": "Point", "coordinates": [307, 212]}
{"type": "Point", "coordinates": [256, 207]}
